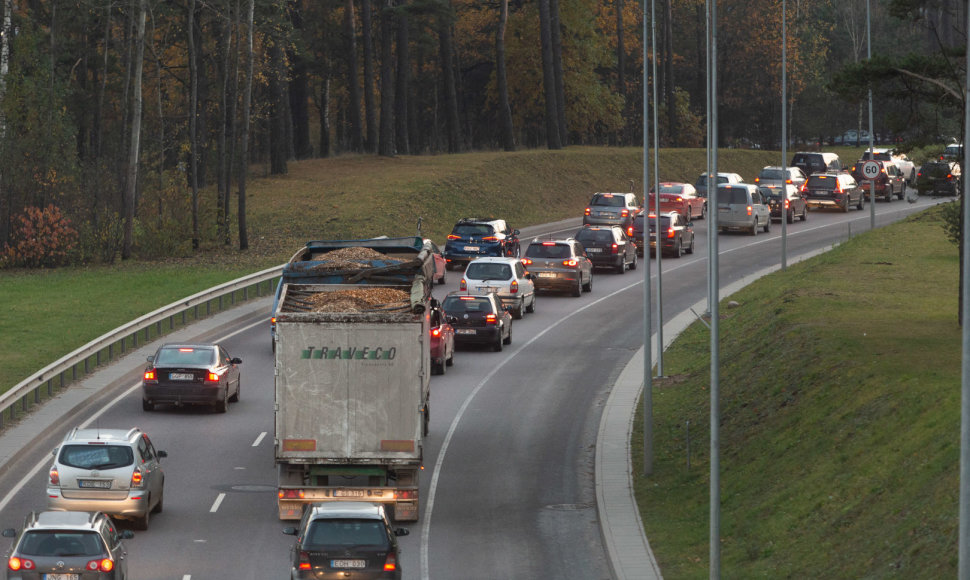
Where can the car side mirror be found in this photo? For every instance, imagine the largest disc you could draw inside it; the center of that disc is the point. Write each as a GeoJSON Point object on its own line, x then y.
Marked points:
{"type": "Point", "coordinates": [236, 361]}
{"type": "Point", "coordinates": [290, 531]}
{"type": "Point", "coordinates": [151, 358]}
{"type": "Point", "coordinates": [161, 454]}
{"type": "Point", "coordinates": [507, 307]}
{"type": "Point", "coordinates": [515, 232]}
{"type": "Point", "coordinates": [126, 534]}
{"type": "Point", "coordinates": [402, 532]}
{"type": "Point", "coordinates": [10, 533]}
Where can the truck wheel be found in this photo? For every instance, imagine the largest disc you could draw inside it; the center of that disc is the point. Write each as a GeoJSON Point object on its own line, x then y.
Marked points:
{"type": "Point", "coordinates": [427, 419]}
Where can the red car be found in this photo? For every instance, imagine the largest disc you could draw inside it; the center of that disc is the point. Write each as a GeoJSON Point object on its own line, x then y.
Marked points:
{"type": "Point", "coordinates": [440, 264]}
{"type": "Point", "coordinates": [681, 198]}
{"type": "Point", "coordinates": [442, 341]}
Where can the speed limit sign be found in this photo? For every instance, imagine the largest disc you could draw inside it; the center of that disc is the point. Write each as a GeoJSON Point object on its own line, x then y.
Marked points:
{"type": "Point", "coordinates": [871, 170]}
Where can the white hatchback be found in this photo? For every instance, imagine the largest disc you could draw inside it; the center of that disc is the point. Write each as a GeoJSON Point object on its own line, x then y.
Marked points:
{"type": "Point", "coordinates": [507, 278]}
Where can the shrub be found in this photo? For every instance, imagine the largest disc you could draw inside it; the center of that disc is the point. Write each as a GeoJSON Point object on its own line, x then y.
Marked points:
{"type": "Point", "coordinates": [40, 238]}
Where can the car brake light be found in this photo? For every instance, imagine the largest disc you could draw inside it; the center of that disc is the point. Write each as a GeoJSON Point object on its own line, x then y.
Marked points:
{"type": "Point", "coordinates": [436, 332]}
{"type": "Point", "coordinates": [390, 564]}
{"type": "Point", "coordinates": [805, 186]}
{"type": "Point", "coordinates": [272, 320]}
{"type": "Point", "coordinates": [838, 188]}
{"type": "Point", "coordinates": [949, 176]}
{"type": "Point", "coordinates": [150, 375]}
{"type": "Point", "coordinates": [629, 232]}
{"type": "Point", "coordinates": [526, 261]}
{"type": "Point", "coordinates": [463, 285]}
{"type": "Point", "coordinates": [490, 239]}
{"type": "Point", "coordinates": [514, 287]}
{"type": "Point", "coordinates": [670, 232]}
{"type": "Point", "coordinates": [615, 249]}
{"type": "Point", "coordinates": [625, 213]}
{"type": "Point", "coordinates": [55, 477]}
{"type": "Point", "coordinates": [453, 237]}
{"type": "Point", "coordinates": [490, 319]}
{"type": "Point", "coordinates": [136, 478]}
{"type": "Point", "coordinates": [788, 181]}
{"type": "Point", "coordinates": [750, 209]}
{"type": "Point", "coordinates": [102, 565]}
{"type": "Point", "coordinates": [211, 377]}
{"type": "Point", "coordinates": [786, 204]}
{"type": "Point", "coordinates": [15, 564]}
{"type": "Point", "coordinates": [549, 243]}
{"type": "Point", "coordinates": [304, 561]}
{"type": "Point", "coordinates": [572, 263]}
{"type": "Point", "coordinates": [586, 212]}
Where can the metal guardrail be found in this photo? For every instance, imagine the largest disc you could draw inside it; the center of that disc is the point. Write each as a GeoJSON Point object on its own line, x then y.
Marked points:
{"type": "Point", "coordinates": [116, 343]}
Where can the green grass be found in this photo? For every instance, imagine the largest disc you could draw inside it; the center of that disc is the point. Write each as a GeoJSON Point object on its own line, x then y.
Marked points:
{"type": "Point", "coordinates": [839, 438]}
{"type": "Point", "coordinates": [51, 313]}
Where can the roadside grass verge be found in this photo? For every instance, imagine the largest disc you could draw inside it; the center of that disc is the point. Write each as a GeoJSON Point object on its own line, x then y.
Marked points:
{"type": "Point", "coordinates": [840, 420]}
{"type": "Point", "coordinates": [49, 313]}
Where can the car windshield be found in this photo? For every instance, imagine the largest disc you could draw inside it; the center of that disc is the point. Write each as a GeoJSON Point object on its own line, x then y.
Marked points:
{"type": "Point", "coordinates": [467, 230]}
{"type": "Point", "coordinates": [822, 182]}
{"type": "Point", "coordinates": [97, 456]}
{"type": "Point", "coordinates": [345, 532]}
{"type": "Point", "coordinates": [479, 271]}
{"type": "Point", "coordinates": [608, 200]}
{"type": "Point", "coordinates": [547, 251]}
{"type": "Point", "coordinates": [63, 544]}
{"type": "Point", "coordinates": [597, 236]}
{"type": "Point", "coordinates": [185, 356]}
{"type": "Point", "coordinates": [460, 304]}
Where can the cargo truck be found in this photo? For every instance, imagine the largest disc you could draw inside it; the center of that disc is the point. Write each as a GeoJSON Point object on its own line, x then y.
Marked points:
{"type": "Point", "coordinates": [352, 367]}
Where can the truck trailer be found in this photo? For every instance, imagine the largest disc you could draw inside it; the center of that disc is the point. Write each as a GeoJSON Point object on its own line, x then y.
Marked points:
{"type": "Point", "coordinates": [352, 367]}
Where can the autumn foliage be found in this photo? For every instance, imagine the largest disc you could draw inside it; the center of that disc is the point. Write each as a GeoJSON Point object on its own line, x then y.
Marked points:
{"type": "Point", "coordinates": [39, 238]}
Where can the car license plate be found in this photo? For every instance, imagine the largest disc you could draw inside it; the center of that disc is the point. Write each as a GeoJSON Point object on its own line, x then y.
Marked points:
{"type": "Point", "coordinates": [94, 483]}
{"type": "Point", "coordinates": [349, 493]}
{"type": "Point", "coordinates": [471, 248]}
{"type": "Point", "coordinates": [181, 376]}
{"type": "Point", "coordinates": [486, 289]}
{"type": "Point", "coordinates": [547, 274]}
{"type": "Point", "coordinates": [464, 331]}
{"type": "Point", "coordinates": [348, 563]}
{"type": "Point", "coordinates": [594, 250]}
{"type": "Point", "coordinates": [60, 577]}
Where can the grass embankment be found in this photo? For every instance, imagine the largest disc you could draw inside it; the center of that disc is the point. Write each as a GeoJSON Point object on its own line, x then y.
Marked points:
{"type": "Point", "coordinates": [840, 420]}
{"type": "Point", "coordinates": [47, 314]}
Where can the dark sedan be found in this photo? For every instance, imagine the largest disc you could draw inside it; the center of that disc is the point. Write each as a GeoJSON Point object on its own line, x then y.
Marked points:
{"type": "Point", "coordinates": [608, 247]}
{"type": "Point", "coordinates": [191, 374]}
{"type": "Point", "coordinates": [479, 319]}
{"type": "Point", "coordinates": [777, 196]}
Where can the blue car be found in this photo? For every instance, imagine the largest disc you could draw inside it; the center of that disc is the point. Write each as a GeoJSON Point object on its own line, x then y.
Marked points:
{"type": "Point", "coordinates": [477, 237]}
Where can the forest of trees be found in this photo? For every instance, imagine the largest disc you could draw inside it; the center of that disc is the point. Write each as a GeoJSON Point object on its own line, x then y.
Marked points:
{"type": "Point", "coordinates": [117, 115]}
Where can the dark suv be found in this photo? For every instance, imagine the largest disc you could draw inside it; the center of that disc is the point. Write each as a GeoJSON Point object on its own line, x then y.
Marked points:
{"type": "Point", "coordinates": [816, 162]}
{"type": "Point", "coordinates": [938, 178]}
{"type": "Point", "coordinates": [611, 209]}
{"type": "Point", "coordinates": [608, 247]}
{"type": "Point", "coordinates": [340, 539]}
{"type": "Point", "coordinates": [476, 237]}
{"type": "Point", "coordinates": [479, 319]}
{"type": "Point", "coordinates": [559, 266]}
{"type": "Point", "coordinates": [890, 182]}
{"type": "Point", "coordinates": [66, 544]}
{"type": "Point", "coordinates": [838, 190]}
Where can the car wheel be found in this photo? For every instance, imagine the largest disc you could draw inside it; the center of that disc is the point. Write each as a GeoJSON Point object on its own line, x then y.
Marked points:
{"type": "Point", "coordinates": [704, 211]}
{"type": "Point", "coordinates": [845, 205]}
{"type": "Point", "coordinates": [621, 267]}
{"type": "Point", "coordinates": [508, 339]}
{"type": "Point", "coordinates": [805, 214]}
{"type": "Point", "coordinates": [437, 368]}
{"type": "Point", "coordinates": [223, 405]}
{"type": "Point", "coordinates": [142, 522]}
{"type": "Point", "coordinates": [768, 225]}
{"type": "Point", "coordinates": [578, 291]}
{"type": "Point", "coordinates": [791, 216]}
{"type": "Point", "coordinates": [147, 405]}
{"type": "Point", "coordinates": [532, 305]}
{"type": "Point", "coordinates": [588, 286]}
{"type": "Point", "coordinates": [679, 248]}
{"type": "Point", "coordinates": [158, 506]}
{"type": "Point", "coordinates": [451, 359]}
{"type": "Point", "coordinates": [517, 313]}
{"type": "Point", "coordinates": [755, 227]}
{"type": "Point", "coordinates": [633, 265]}
{"type": "Point", "coordinates": [442, 279]}
{"type": "Point", "coordinates": [690, 249]}
{"type": "Point", "coordinates": [427, 419]}
{"type": "Point", "coordinates": [862, 203]}
{"type": "Point", "coordinates": [235, 397]}
{"type": "Point", "coordinates": [497, 347]}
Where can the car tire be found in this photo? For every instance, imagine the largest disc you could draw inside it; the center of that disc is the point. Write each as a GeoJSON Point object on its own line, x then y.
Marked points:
{"type": "Point", "coordinates": [690, 250]}
{"type": "Point", "coordinates": [235, 397]}
{"type": "Point", "coordinates": [805, 214]}
{"type": "Point", "coordinates": [679, 248]}
{"type": "Point", "coordinates": [497, 347]}
{"type": "Point", "coordinates": [141, 523]}
{"type": "Point", "coordinates": [451, 360]}
{"type": "Point", "coordinates": [223, 405]}
{"type": "Point", "coordinates": [791, 216]}
{"type": "Point", "coordinates": [518, 312]}
{"type": "Point", "coordinates": [426, 428]}
{"type": "Point", "coordinates": [862, 203]}
{"type": "Point", "coordinates": [442, 279]}
{"type": "Point", "coordinates": [768, 225]}
{"type": "Point", "coordinates": [578, 290]}
{"type": "Point", "coordinates": [532, 305]}
{"type": "Point", "coordinates": [147, 405]}
{"type": "Point", "coordinates": [704, 211]}
{"type": "Point", "coordinates": [158, 507]}
{"type": "Point", "coordinates": [633, 265]}
{"type": "Point", "coordinates": [508, 339]}
{"type": "Point", "coordinates": [588, 286]}
{"type": "Point", "coordinates": [754, 228]}
{"type": "Point", "coordinates": [845, 206]}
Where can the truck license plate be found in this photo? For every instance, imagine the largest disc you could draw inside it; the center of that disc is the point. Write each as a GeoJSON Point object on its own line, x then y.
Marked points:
{"type": "Point", "coordinates": [180, 376]}
{"type": "Point", "coordinates": [348, 493]}
{"type": "Point", "coordinates": [348, 563]}
{"type": "Point", "coordinates": [94, 483]}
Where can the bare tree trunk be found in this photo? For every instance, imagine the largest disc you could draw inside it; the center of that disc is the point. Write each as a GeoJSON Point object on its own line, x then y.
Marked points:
{"type": "Point", "coordinates": [279, 145]}
{"type": "Point", "coordinates": [386, 146]}
{"type": "Point", "coordinates": [403, 81]}
{"type": "Point", "coordinates": [132, 174]}
{"type": "Point", "coordinates": [504, 110]}
{"type": "Point", "coordinates": [370, 107]}
{"type": "Point", "coordinates": [452, 124]}
{"type": "Point", "coordinates": [549, 78]}
{"type": "Point", "coordinates": [668, 74]}
{"type": "Point", "coordinates": [193, 141]}
{"type": "Point", "coordinates": [556, 30]}
{"type": "Point", "coordinates": [224, 28]}
{"type": "Point", "coordinates": [624, 136]}
{"type": "Point", "coordinates": [247, 106]}
{"type": "Point", "coordinates": [350, 29]}
{"type": "Point", "coordinates": [4, 70]}
{"type": "Point", "coordinates": [299, 92]}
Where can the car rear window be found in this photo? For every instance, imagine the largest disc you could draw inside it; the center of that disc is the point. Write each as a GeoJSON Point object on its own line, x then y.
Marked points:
{"type": "Point", "coordinates": [604, 236]}
{"type": "Point", "coordinates": [608, 200]}
{"type": "Point", "coordinates": [62, 544]}
{"type": "Point", "coordinates": [96, 456]}
{"type": "Point", "coordinates": [457, 304]}
{"type": "Point", "coordinates": [669, 188]}
{"type": "Point", "coordinates": [732, 196]}
{"type": "Point", "coordinates": [823, 182]}
{"type": "Point", "coordinates": [473, 230]}
{"type": "Point", "coordinates": [935, 169]}
{"type": "Point", "coordinates": [488, 271]}
{"type": "Point", "coordinates": [345, 532]}
{"type": "Point", "coordinates": [185, 356]}
{"type": "Point", "coordinates": [772, 192]}
{"type": "Point", "coordinates": [547, 251]}
{"type": "Point", "coordinates": [771, 174]}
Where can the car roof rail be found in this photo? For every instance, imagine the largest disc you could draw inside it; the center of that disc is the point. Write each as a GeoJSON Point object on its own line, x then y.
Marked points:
{"type": "Point", "coordinates": [131, 432]}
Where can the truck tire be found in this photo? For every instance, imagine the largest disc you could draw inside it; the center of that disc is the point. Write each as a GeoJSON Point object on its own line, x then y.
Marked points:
{"type": "Point", "coordinates": [427, 419]}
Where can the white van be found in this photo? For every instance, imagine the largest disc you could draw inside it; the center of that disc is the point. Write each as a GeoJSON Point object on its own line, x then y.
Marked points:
{"type": "Point", "coordinates": [740, 205]}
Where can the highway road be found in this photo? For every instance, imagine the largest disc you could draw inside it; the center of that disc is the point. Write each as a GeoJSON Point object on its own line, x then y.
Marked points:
{"type": "Point", "coordinates": [508, 486]}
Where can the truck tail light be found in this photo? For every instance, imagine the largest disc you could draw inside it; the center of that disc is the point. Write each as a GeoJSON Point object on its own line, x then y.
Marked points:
{"type": "Point", "coordinates": [514, 287]}
{"type": "Point", "coordinates": [390, 564]}
{"type": "Point", "coordinates": [55, 478]}
{"type": "Point", "coordinates": [291, 494]}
